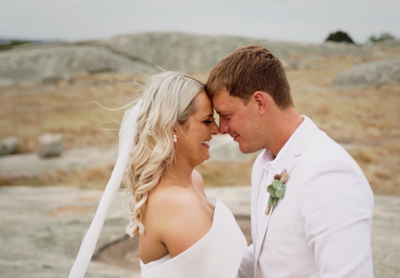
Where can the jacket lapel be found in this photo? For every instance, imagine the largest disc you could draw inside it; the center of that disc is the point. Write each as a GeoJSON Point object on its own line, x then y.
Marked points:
{"type": "Point", "coordinates": [256, 179]}
{"type": "Point", "coordinates": [266, 218]}
{"type": "Point", "coordinates": [289, 162]}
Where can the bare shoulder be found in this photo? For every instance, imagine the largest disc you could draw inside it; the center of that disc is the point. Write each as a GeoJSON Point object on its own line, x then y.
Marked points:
{"type": "Point", "coordinates": [175, 201]}
{"type": "Point", "coordinates": [180, 218]}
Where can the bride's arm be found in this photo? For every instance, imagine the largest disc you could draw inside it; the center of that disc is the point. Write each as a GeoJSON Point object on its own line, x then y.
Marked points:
{"type": "Point", "coordinates": [246, 269]}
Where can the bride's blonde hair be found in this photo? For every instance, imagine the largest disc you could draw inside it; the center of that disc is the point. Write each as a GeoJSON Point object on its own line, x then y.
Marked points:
{"type": "Point", "coordinates": [168, 101]}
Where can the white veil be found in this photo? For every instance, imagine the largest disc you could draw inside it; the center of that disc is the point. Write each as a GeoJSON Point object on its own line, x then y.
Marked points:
{"type": "Point", "coordinates": [127, 136]}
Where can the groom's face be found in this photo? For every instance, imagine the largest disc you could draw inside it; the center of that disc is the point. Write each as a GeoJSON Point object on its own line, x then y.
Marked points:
{"type": "Point", "coordinates": [238, 120]}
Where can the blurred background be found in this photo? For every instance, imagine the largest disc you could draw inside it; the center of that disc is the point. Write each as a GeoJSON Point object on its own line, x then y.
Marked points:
{"type": "Point", "coordinates": [58, 147]}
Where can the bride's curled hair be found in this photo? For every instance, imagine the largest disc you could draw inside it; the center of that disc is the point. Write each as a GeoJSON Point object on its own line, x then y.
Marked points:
{"type": "Point", "coordinates": [168, 101]}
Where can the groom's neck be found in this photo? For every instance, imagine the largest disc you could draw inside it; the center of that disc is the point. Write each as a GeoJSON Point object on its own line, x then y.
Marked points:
{"type": "Point", "coordinates": [280, 127]}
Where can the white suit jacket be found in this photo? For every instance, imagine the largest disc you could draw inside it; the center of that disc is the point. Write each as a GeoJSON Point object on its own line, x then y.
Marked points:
{"type": "Point", "coordinates": [322, 226]}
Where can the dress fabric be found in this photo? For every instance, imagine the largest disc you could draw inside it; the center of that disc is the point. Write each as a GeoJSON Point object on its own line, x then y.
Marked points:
{"type": "Point", "coordinates": [218, 254]}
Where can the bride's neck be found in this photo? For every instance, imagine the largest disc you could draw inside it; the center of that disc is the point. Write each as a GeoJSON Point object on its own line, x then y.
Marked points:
{"type": "Point", "coordinates": [178, 174]}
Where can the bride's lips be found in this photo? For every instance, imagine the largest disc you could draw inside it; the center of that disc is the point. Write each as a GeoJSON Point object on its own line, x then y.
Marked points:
{"type": "Point", "coordinates": [206, 143]}
{"type": "Point", "coordinates": [235, 137]}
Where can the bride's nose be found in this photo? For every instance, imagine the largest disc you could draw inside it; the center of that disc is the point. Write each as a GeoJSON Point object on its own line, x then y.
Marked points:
{"type": "Point", "coordinates": [214, 128]}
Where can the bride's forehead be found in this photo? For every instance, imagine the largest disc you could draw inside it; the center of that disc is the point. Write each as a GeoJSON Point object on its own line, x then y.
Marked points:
{"type": "Point", "coordinates": [203, 103]}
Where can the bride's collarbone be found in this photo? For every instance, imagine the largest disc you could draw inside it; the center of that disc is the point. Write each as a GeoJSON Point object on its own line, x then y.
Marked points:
{"type": "Point", "coordinates": [168, 193]}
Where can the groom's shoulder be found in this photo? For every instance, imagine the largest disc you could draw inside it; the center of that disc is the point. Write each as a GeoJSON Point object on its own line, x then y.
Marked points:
{"type": "Point", "coordinates": [322, 150]}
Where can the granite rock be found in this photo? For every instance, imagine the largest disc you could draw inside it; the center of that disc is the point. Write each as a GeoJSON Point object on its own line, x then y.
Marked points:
{"type": "Point", "coordinates": [370, 74]}
{"type": "Point", "coordinates": [8, 145]}
{"type": "Point", "coordinates": [50, 145]}
{"type": "Point", "coordinates": [193, 53]}
{"type": "Point", "coordinates": [49, 64]}
{"type": "Point", "coordinates": [42, 228]}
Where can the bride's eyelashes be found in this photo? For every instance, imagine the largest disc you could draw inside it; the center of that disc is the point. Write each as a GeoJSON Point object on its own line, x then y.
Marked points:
{"type": "Point", "coordinates": [207, 122]}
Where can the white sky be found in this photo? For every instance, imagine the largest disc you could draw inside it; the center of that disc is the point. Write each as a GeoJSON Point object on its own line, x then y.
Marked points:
{"type": "Point", "coordinates": [289, 20]}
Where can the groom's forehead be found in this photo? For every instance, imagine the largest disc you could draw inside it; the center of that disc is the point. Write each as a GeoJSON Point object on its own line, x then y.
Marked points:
{"type": "Point", "coordinates": [225, 103]}
{"type": "Point", "coordinates": [220, 100]}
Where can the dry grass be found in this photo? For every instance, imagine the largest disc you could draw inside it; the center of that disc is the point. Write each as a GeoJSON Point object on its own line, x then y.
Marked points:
{"type": "Point", "coordinates": [365, 120]}
{"type": "Point", "coordinates": [95, 178]}
{"type": "Point", "coordinates": [66, 109]}
{"type": "Point", "coordinates": [217, 174]}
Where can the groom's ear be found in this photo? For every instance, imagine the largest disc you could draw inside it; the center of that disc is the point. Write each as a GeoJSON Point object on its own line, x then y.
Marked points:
{"type": "Point", "coordinates": [261, 101]}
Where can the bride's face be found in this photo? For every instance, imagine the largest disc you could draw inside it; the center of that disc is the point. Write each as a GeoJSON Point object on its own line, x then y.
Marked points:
{"type": "Point", "coordinates": [193, 138]}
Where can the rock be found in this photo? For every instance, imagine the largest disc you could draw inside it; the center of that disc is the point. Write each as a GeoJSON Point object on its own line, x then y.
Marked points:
{"type": "Point", "coordinates": [50, 222]}
{"type": "Point", "coordinates": [193, 53]}
{"type": "Point", "coordinates": [53, 228]}
{"type": "Point", "coordinates": [388, 44]}
{"type": "Point", "coordinates": [50, 145]}
{"type": "Point", "coordinates": [8, 145]}
{"type": "Point", "coordinates": [6, 82]}
{"type": "Point", "coordinates": [145, 53]}
{"type": "Point", "coordinates": [49, 64]}
{"type": "Point", "coordinates": [370, 74]}
{"type": "Point", "coordinates": [224, 149]}
{"type": "Point", "coordinates": [31, 166]}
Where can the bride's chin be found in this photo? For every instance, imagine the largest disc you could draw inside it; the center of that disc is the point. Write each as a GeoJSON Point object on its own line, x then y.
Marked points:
{"type": "Point", "coordinates": [206, 157]}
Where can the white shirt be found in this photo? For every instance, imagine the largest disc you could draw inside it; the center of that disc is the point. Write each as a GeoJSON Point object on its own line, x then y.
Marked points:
{"type": "Point", "coordinates": [263, 196]}
{"type": "Point", "coordinates": [270, 164]}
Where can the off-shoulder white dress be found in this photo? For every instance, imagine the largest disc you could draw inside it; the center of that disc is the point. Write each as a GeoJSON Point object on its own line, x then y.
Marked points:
{"type": "Point", "coordinates": [218, 254]}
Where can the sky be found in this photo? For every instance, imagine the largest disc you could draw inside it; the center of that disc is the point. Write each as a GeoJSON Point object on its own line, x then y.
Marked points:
{"type": "Point", "coordinates": [287, 20]}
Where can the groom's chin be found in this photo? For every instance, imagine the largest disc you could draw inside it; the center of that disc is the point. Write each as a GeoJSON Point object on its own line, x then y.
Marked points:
{"type": "Point", "coordinates": [245, 149]}
{"type": "Point", "coordinates": [248, 148]}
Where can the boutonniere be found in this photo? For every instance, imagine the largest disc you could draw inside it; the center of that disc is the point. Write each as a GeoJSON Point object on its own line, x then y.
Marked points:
{"type": "Point", "coordinates": [277, 189]}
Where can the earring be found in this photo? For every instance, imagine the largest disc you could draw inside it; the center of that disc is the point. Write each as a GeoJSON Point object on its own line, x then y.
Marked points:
{"type": "Point", "coordinates": [175, 139]}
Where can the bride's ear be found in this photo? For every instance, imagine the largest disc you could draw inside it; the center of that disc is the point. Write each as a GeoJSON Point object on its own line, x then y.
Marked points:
{"type": "Point", "coordinates": [176, 132]}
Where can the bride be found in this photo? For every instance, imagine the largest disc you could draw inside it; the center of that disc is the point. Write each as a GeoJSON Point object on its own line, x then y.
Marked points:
{"type": "Point", "coordinates": [182, 232]}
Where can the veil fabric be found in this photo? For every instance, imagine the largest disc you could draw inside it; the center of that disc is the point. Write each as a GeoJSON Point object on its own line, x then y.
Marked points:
{"type": "Point", "coordinates": [127, 136]}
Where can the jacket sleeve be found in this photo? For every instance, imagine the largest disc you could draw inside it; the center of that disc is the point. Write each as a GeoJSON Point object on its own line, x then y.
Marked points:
{"type": "Point", "coordinates": [337, 208]}
{"type": "Point", "coordinates": [246, 269]}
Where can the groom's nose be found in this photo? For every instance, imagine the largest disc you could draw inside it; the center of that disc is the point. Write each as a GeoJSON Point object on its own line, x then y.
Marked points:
{"type": "Point", "coordinates": [223, 126]}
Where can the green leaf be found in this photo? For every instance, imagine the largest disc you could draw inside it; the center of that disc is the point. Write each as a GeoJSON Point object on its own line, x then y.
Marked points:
{"type": "Point", "coordinates": [280, 193]}
{"type": "Point", "coordinates": [271, 191]}
{"type": "Point", "coordinates": [272, 201]}
{"type": "Point", "coordinates": [277, 185]}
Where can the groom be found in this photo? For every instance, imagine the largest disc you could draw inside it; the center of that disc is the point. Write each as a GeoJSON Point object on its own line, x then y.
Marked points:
{"type": "Point", "coordinates": [321, 227]}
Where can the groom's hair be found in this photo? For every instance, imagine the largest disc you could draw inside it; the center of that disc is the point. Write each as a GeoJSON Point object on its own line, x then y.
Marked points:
{"type": "Point", "coordinates": [249, 69]}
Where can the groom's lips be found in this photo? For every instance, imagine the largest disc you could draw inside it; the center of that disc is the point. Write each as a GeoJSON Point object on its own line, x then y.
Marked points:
{"type": "Point", "coordinates": [235, 137]}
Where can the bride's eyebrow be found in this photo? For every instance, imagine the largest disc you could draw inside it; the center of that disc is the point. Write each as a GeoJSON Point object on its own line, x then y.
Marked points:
{"type": "Point", "coordinates": [208, 116]}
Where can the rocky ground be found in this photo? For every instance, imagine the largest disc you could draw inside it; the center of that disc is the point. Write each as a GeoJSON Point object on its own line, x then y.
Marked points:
{"type": "Point", "coordinates": [41, 229]}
